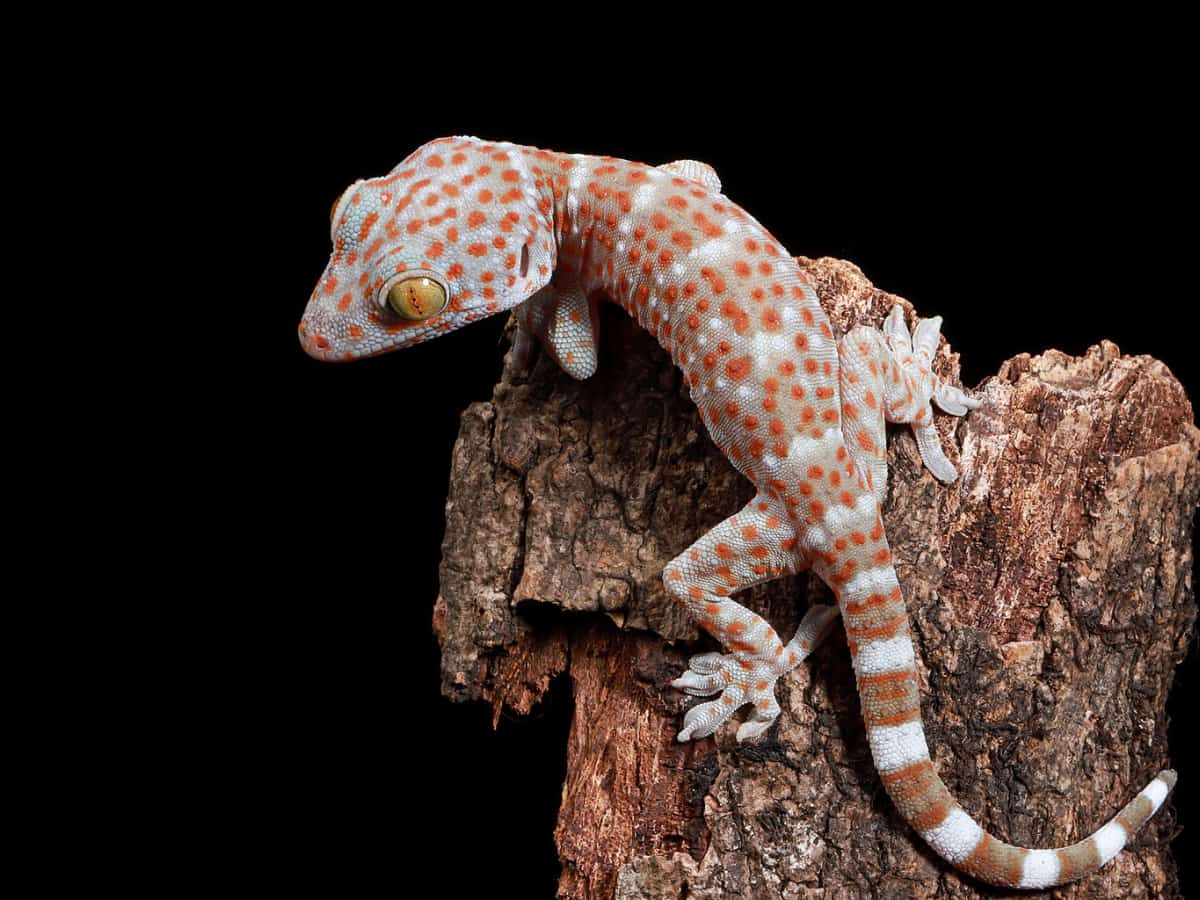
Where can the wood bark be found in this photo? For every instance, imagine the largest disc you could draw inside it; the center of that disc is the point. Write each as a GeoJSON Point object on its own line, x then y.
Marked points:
{"type": "Point", "coordinates": [1050, 593]}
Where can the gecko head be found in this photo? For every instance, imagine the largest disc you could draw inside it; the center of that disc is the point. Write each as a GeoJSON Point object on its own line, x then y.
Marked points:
{"type": "Point", "coordinates": [453, 234]}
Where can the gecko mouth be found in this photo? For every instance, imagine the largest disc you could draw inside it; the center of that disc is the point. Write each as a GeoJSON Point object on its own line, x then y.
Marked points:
{"type": "Point", "coordinates": [316, 344]}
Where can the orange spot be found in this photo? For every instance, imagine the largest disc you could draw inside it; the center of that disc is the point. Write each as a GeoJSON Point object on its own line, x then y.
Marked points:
{"type": "Point", "coordinates": [706, 225]}
{"type": "Point", "coordinates": [883, 556]}
{"type": "Point", "coordinates": [723, 551]}
{"type": "Point", "coordinates": [739, 368]}
{"type": "Point", "coordinates": [682, 239]}
{"type": "Point", "coordinates": [713, 278]}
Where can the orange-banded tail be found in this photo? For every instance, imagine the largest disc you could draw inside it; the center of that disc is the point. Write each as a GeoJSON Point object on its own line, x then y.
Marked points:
{"type": "Point", "coordinates": [878, 632]}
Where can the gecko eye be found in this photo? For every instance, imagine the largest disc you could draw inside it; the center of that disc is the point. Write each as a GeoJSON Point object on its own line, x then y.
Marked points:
{"type": "Point", "coordinates": [416, 298]}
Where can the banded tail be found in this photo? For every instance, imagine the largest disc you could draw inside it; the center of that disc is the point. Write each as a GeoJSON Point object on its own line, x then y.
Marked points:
{"type": "Point", "coordinates": [884, 665]}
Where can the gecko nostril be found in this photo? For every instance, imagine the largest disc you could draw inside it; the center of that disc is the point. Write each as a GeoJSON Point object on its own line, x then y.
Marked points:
{"type": "Point", "coordinates": [321, 343]}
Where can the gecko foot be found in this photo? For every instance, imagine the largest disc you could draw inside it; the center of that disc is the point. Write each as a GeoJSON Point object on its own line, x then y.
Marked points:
{"type": "Point", "coordinates": [909, 395]}
{"type": "Point", "coordinates": [739, 680]}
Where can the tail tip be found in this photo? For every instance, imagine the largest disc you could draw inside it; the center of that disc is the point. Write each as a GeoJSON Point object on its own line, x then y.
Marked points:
{"type": "Point", "coordinates": [1168, 777]}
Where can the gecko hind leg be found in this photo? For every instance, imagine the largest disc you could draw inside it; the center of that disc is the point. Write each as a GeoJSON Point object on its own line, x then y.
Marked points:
{"type": "Point", "coordinates": [751, 547]}
{"type": "Point", "coordinates": [888, 375]}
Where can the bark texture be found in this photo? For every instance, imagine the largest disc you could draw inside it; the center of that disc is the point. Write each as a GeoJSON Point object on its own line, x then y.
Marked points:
{"type": "Point", "coordinates": [1050, 591]}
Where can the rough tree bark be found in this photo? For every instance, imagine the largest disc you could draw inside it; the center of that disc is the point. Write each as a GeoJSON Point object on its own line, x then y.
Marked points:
{"type": "Point", "coordinates": [1050, 592]}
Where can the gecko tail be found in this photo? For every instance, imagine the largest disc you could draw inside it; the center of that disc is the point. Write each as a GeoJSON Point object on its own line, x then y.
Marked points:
{"type": "Point", "coordinates": [902, 759]}
{"type": "Point", "coordinates": [960, 840]}
{"type": "Point", "coordinates": [880, 640]}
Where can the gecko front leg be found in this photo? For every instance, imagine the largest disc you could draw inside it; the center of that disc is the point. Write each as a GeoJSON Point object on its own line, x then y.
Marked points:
{"type": "Point", "coordinates": [888, 375]}
{"type": "Point", "coordinates": [565, 321]}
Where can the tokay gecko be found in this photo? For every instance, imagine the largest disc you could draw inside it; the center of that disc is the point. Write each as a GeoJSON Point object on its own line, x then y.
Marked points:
{"type": "Point", "coordinates": [466, 228]}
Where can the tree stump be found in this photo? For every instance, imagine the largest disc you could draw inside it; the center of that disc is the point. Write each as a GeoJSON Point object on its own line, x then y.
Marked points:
{"type": "Point", "coordinates": [1049, 589]}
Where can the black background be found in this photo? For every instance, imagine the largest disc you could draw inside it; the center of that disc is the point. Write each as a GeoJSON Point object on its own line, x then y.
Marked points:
{"type": "Point", "coordinates": [1034, 201]}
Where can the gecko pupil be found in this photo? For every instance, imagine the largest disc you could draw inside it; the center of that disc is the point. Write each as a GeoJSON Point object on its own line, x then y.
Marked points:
{"type": "Point", "coordinates": [416, 298]}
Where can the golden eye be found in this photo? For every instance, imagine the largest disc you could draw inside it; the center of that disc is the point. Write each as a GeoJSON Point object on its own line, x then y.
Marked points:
{"type": "Point", "coordinates": [416, 298]}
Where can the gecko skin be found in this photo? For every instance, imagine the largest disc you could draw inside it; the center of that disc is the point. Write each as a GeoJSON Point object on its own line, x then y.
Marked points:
{"type": "Point", "coordinates": [464, 229]}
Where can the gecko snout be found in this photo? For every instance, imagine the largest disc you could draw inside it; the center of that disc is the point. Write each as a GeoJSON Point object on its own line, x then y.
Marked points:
{"type": "Point", "coordinates": [314, 343]}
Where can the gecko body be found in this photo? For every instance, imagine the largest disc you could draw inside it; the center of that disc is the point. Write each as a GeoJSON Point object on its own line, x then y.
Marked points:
{"type": "Point", "coordinates": [464, 229]}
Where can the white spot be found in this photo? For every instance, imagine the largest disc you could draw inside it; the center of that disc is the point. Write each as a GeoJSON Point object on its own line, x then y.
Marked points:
{"type": "Point", "coordinates": [653, 303]}
{"type": "Point", "coordinates": [720, 384]}
{"type": "Point", "coordinates": [866, 583]}
{"type": "Point", "coordinates": [804, 446]}
{"type": "Point", "coordinates": [1040, 869]}
{"type": "Point", "coordinates": [659, 280]}
{"type": "Point", "coordinates": [745, 392]}
{"type": "Point", "coordinates": [666, 314]}
{"type": "Point", "coordinates": [956, 838]}
{"type": "Point", "coordinates": [878, 657]}
{"type": "Point", "coordinates": [1109, 841]}
{"type": "Point", "coordinates": [788, 314]}
{"type": "Point", "coordinates": [843, 520]}
{"type": "Point", "coordinates": [895, 746]}
{"type": "Point", "coordinates": [731, 226]}
{"type": "Point", "coordinates": [765, 345]}
{"type": "Point", "coordinates": [643, 197]}
{"type": "Point", "coordinates": [701, 340]}
{"type": "Point", "coordinates": [677, 270]}
{"type": "Point", "coordinates": [1156, 792]}
{"type": "Point", "coordinates": [620, 246]}
{"type": "Point", "coordinates": [714, 323]}
{"type": "Point", "coordinates": [625, 225]}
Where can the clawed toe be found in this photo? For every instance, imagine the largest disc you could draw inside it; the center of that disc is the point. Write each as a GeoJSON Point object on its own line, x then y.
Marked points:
{"type": "Point", "coordinates": [738, 681]}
